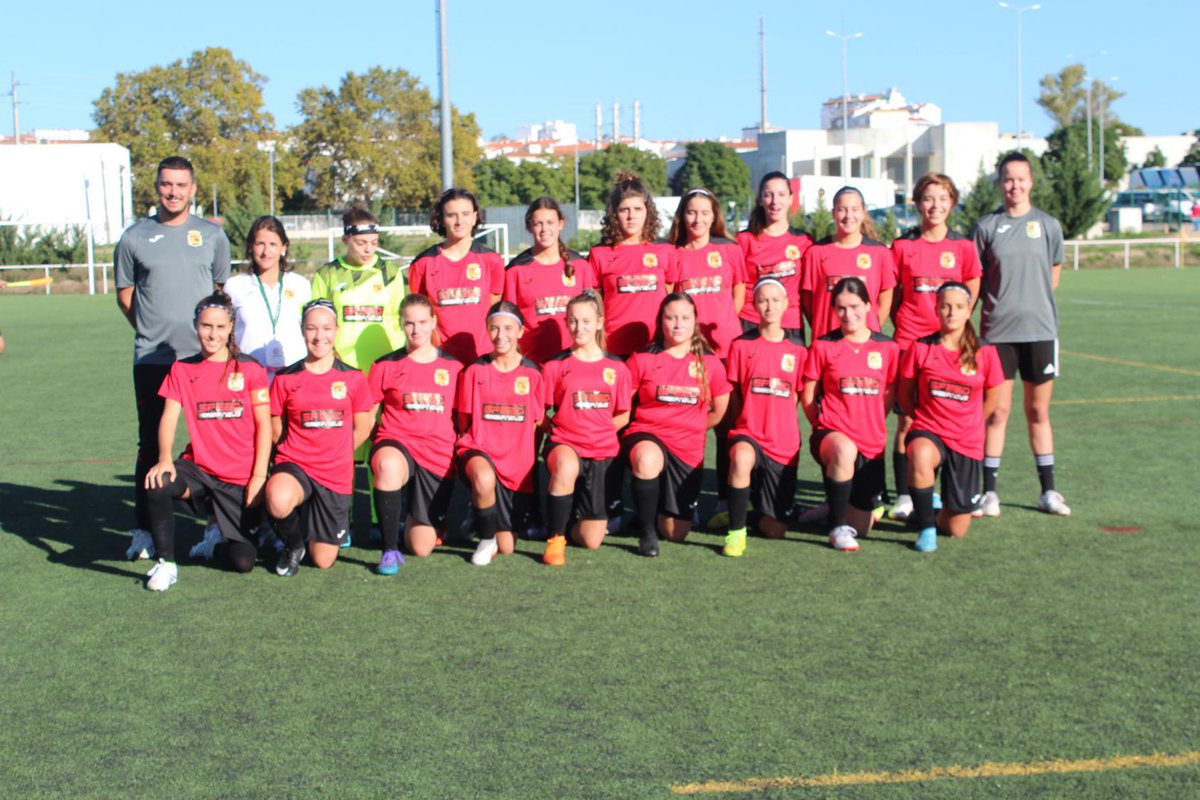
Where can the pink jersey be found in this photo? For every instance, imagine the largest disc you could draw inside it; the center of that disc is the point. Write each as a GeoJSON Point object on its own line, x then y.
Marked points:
{"type": "Point", "coordinates": [825, 264]}
{"type": "Point", "coordinates": [708, 275]}
{"type": "Point", "coordinates": [767, 376]}
{"type": "Point", "coordinates": [585, 396]}
{"type": "Point", "coordinates": [949, 395]}
{"type": "Point", "coordinates": [461, 292]}
{"type": "Point", "coordinates": [318, 421]}
{"type": "Point", "coordinates": [778, 257]}
{"type": "Point", "coordinates": [852, 380]}
{"type": "Point", "coordinates": [922, 267]}
{"type": "Point", "coordinates": [418, 406]}
{"type": "Point", "coordinates": [633, 279]}
{"type": "Point", "coordinates": [217, 399]}
{"type": "Point", "coordinates": [541, 293]}
{"type": "Point", "coordinates": [504, 409]}
{"type": "Point", "coordinates": [671, 402]}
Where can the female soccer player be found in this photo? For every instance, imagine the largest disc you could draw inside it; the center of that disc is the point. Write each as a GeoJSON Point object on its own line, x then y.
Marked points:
{"type": "Point", "coordinates": [499, 409]}
{"type": "Point", "coordinates": [460, 276]}
{"type": "Point", "coordinates": [771, 249]}
{"type": "Point", "coordinates": [764, 441]}
{"type": "Point", "coordinates": [589, 392]}
{"type": "Point", "coordinates": [926, 258]}
{"type": "Point", "coordinates": [541, 280]}
{"type": "Point", "coordinates": [223, 397]}
{"type": "Point", "coordinates": [680, 391]}
{"type": "Point", "coordinates": [414, 440]}
{"type": "Point", "coordinates": [850, 252]}
{"type": "Point", "coordinates": [268, 297]}
{"type": "Point", "coordinates": [633, 272]}
{"type": "Point", "coordinates": [321, 413]}
{"type": "Point", "coordinates": [849, 385]}
{"type": "Point", "coordinates": [949, 383]}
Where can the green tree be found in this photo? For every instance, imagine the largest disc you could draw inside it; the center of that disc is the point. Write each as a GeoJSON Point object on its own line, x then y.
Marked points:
{"type": "Point", "coordinates": [1193, 153]}
{"type": "Point", "coordinates": [33, 245]}
{"type": "Point", "coordinates": [1065, 97]}
{"type": "Point", "coordinates": [596, 172]}
{"type": "Point", "coordinates": [500, 182]}
{"type": "Point", "coordinates": [717, 168]}
{"type": "Point", "coordinates": [984, 198]}
{"type": "Point", "coordinates": [818, 224]}
{"type": "Point", "coordinates": [497, 182]}
{"type": "Point", "coordinates": [1077, 199]}
{"type": "Point", "coordinates": [1154, 158]}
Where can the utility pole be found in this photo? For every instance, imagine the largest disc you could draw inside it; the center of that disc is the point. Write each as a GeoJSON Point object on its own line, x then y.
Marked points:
{"type": "Point", "coordinates": [762, 59]}
{"type": "Point", "coordinates": [1020, 11]}
{"type": "Point", "coordinates": [15, 104]}
{"type": "Point", "coordinates": [445, 120]}
{"type": "Point", "coordinates": [845, 37]}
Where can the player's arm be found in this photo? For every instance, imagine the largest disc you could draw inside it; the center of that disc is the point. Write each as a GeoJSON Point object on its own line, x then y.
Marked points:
{"type": "Point", "coordinates": [885, 306]}
{"type": "Point", "coordinates": [125, 303]}
{"type": "Point", "coordinates": [262, 453]}
{"type": "Point", "coordinates": [739, 297]}
{"type": "Point", "coordinates": [364, 423]}
{"type": "Point", "coordinates": [808, 401]}
{"type": "Point", "coordinates": [166, 440]}
{"type": "Point", "coordinates": [907, 396]}
{"type": "Point", "coordinates": [716, 412]}
{"type": "Point", "coordinates": [1055, 273]}
{"type": "Point", "coordinates": [276, 429]}
{"type": "Point", "coordinates": [991, 399]}
{"type": "Point", "coordinates": [973, 285]}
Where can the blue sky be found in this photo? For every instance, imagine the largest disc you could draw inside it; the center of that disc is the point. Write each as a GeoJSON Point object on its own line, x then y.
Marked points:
{"type": "Point", "coordinates": [693, 65]}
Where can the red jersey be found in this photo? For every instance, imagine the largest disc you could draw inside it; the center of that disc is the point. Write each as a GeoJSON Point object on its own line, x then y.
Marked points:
{"type": "Point", "coordinates": [825, 264]}
{"type": "Point", "coordinates": [633, 279]}
{"type": "Point", "coordinates": [922, 267]}
{"type": "Point", "coordinates": [418, 406]}
{"type": "Point", "coordinates": [461, 292]}
{"type": "Point", "coordinates": [708, 274]}
{"type": "Point", "coordinates": [767, 375]}
{"type": "Point", "coordinates": [778, 257]}
{"type": "Point", "coordinates": [318, 421]}
{"type": "Point", "coordinates": [852, 380]}
{"type": "Point", "coordinates": [585, 396]}
{"type": "Point", "coordinates": [949, 397]}
{"type": "Point", "coordinates": [217, 398]}
{"type": "Point", "coordinates": [541, 292]}
{"type": "Point", "coordinates": [504, 409]}
{"type": "Point", "coordinates": [671, 402]}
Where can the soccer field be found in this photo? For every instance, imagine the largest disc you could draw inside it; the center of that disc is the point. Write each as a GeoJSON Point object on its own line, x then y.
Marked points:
{"type": "Point", "coordinates": [1045, 657]}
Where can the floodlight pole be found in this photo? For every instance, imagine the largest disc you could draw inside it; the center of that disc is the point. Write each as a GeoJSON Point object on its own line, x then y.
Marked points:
{"type": "Point", "coordinates": [1020, 11]}
{"type": "Point", "coordinates": [1113, 79]}
{"type": "Point", "coordinates": [445, 119]}
{"type": "Point", "coordinates": [845, 37]}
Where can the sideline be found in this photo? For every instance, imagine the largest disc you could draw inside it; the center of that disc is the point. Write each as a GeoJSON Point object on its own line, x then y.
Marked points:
{"type": "Point", "coordinates": [1126, 363]}
{"type": "Point", "coordinates": [1158, 398]}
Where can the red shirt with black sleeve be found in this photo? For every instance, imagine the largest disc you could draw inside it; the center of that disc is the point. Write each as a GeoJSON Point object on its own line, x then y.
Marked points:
{"type": "Point", "coordinates": [585, 396]}
{"type": "Point", "coordinates": [504, 409]}
{"type": "Point", "coordinates": [949, 395]}
{"type": "Point", "coordinates": [217, 398]}
{"type": "Point", "coordinates": [671, 403]}
{"type": "Point", "coordinates": [778, 257]}
{"type": "Point", "coordinates": [767, 376]}
{"type": "Point", "coordinates": [825, 264]}
{"type": "Point", "coordinates": [633, 279]}
{"type": "Point", "coordinates": [708, 275]}
{"type": "Point", "coordinates": [922, 267]}
{"type": "Point", "coordinates": [418, 406]}
{"type": "Point", "coordinates": [318, 421]}
{"type": "Point", "coordinates": [541, 292]}
{"type": "Point", "coordinates": [852, 379]}
{"type": "Point", "coordinates": [461, 292]}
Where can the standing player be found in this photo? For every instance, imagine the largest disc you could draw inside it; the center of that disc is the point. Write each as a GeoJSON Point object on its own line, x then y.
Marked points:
{"type": "Point", "coordinates": [764, 441]}
{"type": "Point", "coordinates": [321, 413]}
{"type": "Point", "coordinates": [1022, 252]}
{"type": "Point", "coordinates": [540, 281]}
{"type": "Point", "coordinates": [949, 383]}
{"type": "Point", "coordinates": [460, 276]}
{"type": "Point", "coordinates": [414, 441]}
{"type": "Point", "coordinates": [849, 385]}
{"type": "Point", "coordinates": [926, 258]}
{"type": "Point", "coordinates": [223, 397]}
{"type": "Point", "coordinates": [163, 265]}
{"type": "Point", "coordinates": [771, 249]}
{"type": "Point", "coordinates": [499, 409]}
{"type": "Point", "coordinates": [589, 392]}
{"type": "Point", "coordinates": [710, 268]}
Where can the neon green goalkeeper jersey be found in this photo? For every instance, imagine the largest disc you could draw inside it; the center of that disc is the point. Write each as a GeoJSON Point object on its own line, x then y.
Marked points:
{"type": "Point", "coordinates": [367, 300]}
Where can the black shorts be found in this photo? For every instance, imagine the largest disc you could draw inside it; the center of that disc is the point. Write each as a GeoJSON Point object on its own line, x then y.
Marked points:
{"type": "Point", "coordinates": [772, 485]}
{"type": "Point", "coordinates": [960, 475]}
{"type": "Point", "coordinates": [869, 474]}
{"type": "Point", "coordinates": [679, 482]}
{"type": "Point", "coordinates": [427, 494]}
{"type": "Point", "coordinates": [227, 500]}
{"type": "Point", "coordinates": [1036, 361]}
{"type": "Point", "coordinates": [589, 486]}
{"type": "Point", "coordinates": [326, 513]}
{"type": "Point", "coordinates": [795, 335]}
{"type": "Point", "coordinates": [513, 509]}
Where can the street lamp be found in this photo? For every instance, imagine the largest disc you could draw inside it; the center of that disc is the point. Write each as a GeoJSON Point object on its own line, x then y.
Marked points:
{"type": "Point", "coordinates": [1020, 11]}
{"type": "Point", "coordinates": [1087, 82]}
{"type": "Point", "coordinates": [269, 146]}
{"type": "Point", "coordinates": [1112, 79]}
{"type": "Point", "coordinates": [845, 37]}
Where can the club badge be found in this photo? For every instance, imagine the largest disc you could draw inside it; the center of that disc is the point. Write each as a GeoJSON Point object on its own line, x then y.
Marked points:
{"type": "Point", "coordinates": [521, 385]}
{"type": "Point", "coordinates": [1033, 229]}
{"type": "Point", "coordinates": [875, 360]}
{"type": "Point", "coordinates": [694, 369]}
{"type": "Point", "coordinates": [714, 259]}
{"type": "Point", "coordinates": [863, 261]}
{"type": "Point", "coordinates": [474, 272]}
{"type": "Point", "coordinates": [377, 287]}
{"type": "Point", "coordinates": [789, 362]}
{"type": "Point", "coordinates": [338, 390]}
{"type": "Point", "coordinates": [289, 294]}
{"type": "Point", "coordinates": [441, 377]}
{"type": "Point", "coordinates": [236, 382]}
{"type": "Point", "coordinates": [650, 260]}
{"type": "Point", "coordinates": [947, 260]}
{"type": "Point", "coordinates": [792, 252]}
{"type": "Point", "coordinates": [610, 376]}
{"type": "Point", "coordinates": [194, 239]}
{"type": "Point", "coordinates": [967, 369]}
{"type": "Point", "coordinates": [568, 280]}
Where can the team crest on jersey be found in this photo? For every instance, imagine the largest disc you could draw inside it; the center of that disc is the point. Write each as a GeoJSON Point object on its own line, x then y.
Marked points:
{"type": "Point", "coordinates": [289, 294]}
{"type": "Point", "coordinates": [568, 280]}
{"type": "Point", "coordinates": [863, 261]}
{"type": "Point", "coordinates": [966, 369]}
{"type": "Point", "coordinates": [1033, 229]}
{"type": "Point", "coordinates": [610, 376]}
{"type": "Point", "coordinates": [947, 260]}
{"type": "Point", "coordinates": [338, 390]}
{"type": "Point", "coordinates": [788, 363]}
{"type": "Point", "coordinates": [694, 369]}
{"type": "Point", "coordinates": [441, 377]}
{"type": "Point", "coordinates": [521, 385]}
{"type": "Point", "coordinates": [792, 252]}
{"type": "Point", "coordinates": [875, 360]}
{"type": "Point", "coordinates": [714, 259]}
{"type": "Point", "coordinates": [236, 382]}
{"type": "Point", "coordinates": [261, 396]}
{"type": "Point", "coordinates": [377, 287]}
{"type": "Point", "coordinates": [474, 272]}
{"type": "Point", "coordinates": [650, 260]}
{"type": "Point", "coordinates": [194, 239]}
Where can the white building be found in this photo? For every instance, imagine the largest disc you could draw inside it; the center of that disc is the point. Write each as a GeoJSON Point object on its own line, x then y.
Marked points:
{"type": "Point", "coordinates": [553, 130]}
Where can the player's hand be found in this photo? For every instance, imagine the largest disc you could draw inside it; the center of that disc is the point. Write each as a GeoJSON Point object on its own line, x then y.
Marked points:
{"type": "Point", "coordinates": [254, 490]}
{"type": "Point", "coordinates": [162, 471]}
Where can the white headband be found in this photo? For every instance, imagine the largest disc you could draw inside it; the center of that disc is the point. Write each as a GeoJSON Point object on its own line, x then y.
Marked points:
{"type": "Point", "coordinates": [767, 282]}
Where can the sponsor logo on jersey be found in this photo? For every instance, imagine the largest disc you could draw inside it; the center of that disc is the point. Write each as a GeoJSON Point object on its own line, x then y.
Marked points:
{"type": "Point", "coordinates": [424, 401]}
{"type": "Point", "coordinates": [775, 387]}
{"type": "Point", "coordinates": [792, 252]}
{"type": "Point", "coordinates": [361, 313]}
{"type": "Point", "coordinates": [946, 390]}
{"type": "Point", "coordinates": [544, 306]}
{"type": "Point", "coordinates": [1003, 228]}
{"type": "Point", "coordinates": [784, 269]}
{"type": "Point", "coordinates": [678, 395]}
{"type": "Point", "coordinates": [714, 259]}
{"type": "Point", "coordinates": [588, 400]}
{"type": "Point", "coordinates": [863, 261]}
{"type": "Point", "coordinates": [504, 412]}
{"type": "Point", "coordinates": [441, 377]}
{"type": "Point", "coordinates": [923, 284]}
{"type": "Point", "coordinates": [788, 362]}
{"type": "Point", "coordinates": [261, 396]}
{"type": "Point", "coordinates": [474, 272]}
{"type": "Point", "coordinates": [694, 369]}
{"type": "Point", "coordinates": [947, 260]}
{"type": "Point", "coordinates": [459, 296]}
{"type": "Point", "coordinates": [610, 375]}
{"type": "Point", "coordinates": [194, 239]}
{"type": "Point", "coordinates": [338, 390]}
{"type": "Point", "coordinates": [521, 385]}
{"type": "Point", "coordinates": [1033, 229]}
{"type": "Point", "coordinates": [859, 386]}
{"type": "Point", "coordinates": [632, 284]}
{"type": "Point", "coordinates": [707, 285]}
{"type": "Point", "coordinates": [236, 382]}
{"type": "Point", "coordinates": [832, 281]}
{"type": "Point", "coordinates": [154, 238]}
{"type": "Point", "coordinates": [875, 359]}
{"type": "Point", "coordinates": [568, 280]}
{"type": "Point", "coordinates": [323, 418]}
{"type": "Point", "coordinates": [650, 260]}
{"type": "Point", "coordinates": [219, 409]}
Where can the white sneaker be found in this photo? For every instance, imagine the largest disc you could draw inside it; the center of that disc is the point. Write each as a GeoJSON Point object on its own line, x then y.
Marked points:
{"type": "Point", "coordinates": [903, 508]}
{"type": "Point", "coordinates": [142, 546]}
{"type": "Point", "coordinates": [161, 576]}
{"type": "Point", "coordinates": [1051, 502]}
{"type": "Point", "coordinates": [989, 506]}
{"type": "Point", "coordinates": [844, 538]}
{"type": "Point", "coordinates": [204, 547]}
{"type": "Point", "coordinates": [485, 552]}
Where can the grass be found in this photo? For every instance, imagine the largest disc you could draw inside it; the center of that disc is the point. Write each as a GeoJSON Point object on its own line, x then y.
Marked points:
{"type": "Point", "coordinates": [614, 677]}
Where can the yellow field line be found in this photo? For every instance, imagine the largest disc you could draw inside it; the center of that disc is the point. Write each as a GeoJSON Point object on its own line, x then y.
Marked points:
{"type": "Point", "coordinates": [1158, 398]}
{"type": "Point", "coordinates": [1126, 363]}
{"type": "Point", "coordinates": [989, 770]}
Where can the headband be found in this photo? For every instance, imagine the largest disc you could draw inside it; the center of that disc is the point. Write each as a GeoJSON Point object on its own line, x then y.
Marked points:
{"type": "Point", "coordinates": [954, 286]}
{"type": "Point", "coordinates": [767, 281]}
{"type": "Point", "coordinates": [205, 306]}
{"type": "Point", "coordinates": [705, 192]}
{"type": "Point", "coordinates": [320, 302]}
{"type": "Point", "coordinates": [355, 230]}
{"type": "Point", "coordinates": [502, 313]}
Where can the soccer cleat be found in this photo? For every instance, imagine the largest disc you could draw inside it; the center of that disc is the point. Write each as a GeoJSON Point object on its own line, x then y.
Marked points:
{"type": "Point", "coordinates": [877, 513]}
{"type": "Point", "coordinates": [1051, 502]}
{"type": "Point", "coordinates": [142, 546]}
{"type": "Point", "coordinates": [204, 547]}
{"type": "Point", "coordinates": [989, 506]}
{"type": "Point", "coordinates": [648, 545]}
{"type": "Point", "coordinates": [390, 562]}
{"type": "Point", "coordinates": [720, 519]}
{"type": "Point", "coordinates": [844, 538]}
{"type": "Point", "coordinates": [735, 544]}
{"type": "Point", "coordinates": [926, 541]}
{"type": "Point", "coordinates": [161, 576]}
{"type": "Point", "coordinates": [556, 551]}
{"type": "Point", "coordinates": [289, 562]}
{"type": "Point", "coordinates": [485, 552]}
{"type": "Point", "coordinates": [903, 508]}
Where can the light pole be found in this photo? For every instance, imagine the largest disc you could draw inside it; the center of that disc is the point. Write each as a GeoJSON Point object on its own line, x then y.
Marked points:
{"type": "Point", "coordinates": [845, 37]}
{"type": "Point", "coordinates": [1103, 103]}
{"type": "Point", "coordinates": [445, 119]}
{"type": "Point", "coordinates": [1020, 11]}
{"type": "Point", "coordinates": [269, 146]}
{"type": "Point", "coordinates": [1087, 82]}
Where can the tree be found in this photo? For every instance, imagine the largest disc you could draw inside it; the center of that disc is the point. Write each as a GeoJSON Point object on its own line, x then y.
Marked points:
{"type": "Point", "coordinates": [1065, 97]}
{"type": "Point", "coordinates": [596, 172]}
{"type": "Point", "coordinates": [984, 198]}
{"type": "Point", "coordinates": [715, 167]}
{"type": "Point", "coordinates": [374, 139]}
{"type": "Point", "coordinates": [819, 224]}
{"type": "Point", "coordinates": [1077, 199]}
{"type": "Point", "coordinates": [496, 182]}
{"type": "Point", "coordinates": [500, 182]}
{"type": "Point", "coordinates": [1154, 158]}
{"type": "Point", "coordinates": [1193, 153]}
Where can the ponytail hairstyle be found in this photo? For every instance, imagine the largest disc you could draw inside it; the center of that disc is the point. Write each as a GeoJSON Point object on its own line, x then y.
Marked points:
{"type": "Point", "coordinates": [625, 186]}
{"type": "Point", "coordinates": [867, 228]}
{"type": "Point", "coordinates": [698, 347]}
{"type": "Point", "coordinates": [547, 203]}
{"type": "Point", "coordinates": [592, 297]}
{"type": "Point", "coordinates": [506, 309]}
{"type": "Point", "coordinates": [758, 215]}
{"type": "Point", "coordinates": [273, 225]}
{"type": "Point", "coordinates": [678, 235]}
{"type": "Point", "coordinates": [438, 224]}
{"type": "Point", "coordinates": [219, 299]}
{"type": "Point", "coordinates": [970, 342]}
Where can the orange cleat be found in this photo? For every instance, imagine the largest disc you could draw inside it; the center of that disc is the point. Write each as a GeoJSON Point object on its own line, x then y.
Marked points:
{"type": "Point", "coordinates": [556, 551]}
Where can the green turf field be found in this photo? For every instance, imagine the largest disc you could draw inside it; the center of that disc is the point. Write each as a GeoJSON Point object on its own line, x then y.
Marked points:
{"type": "Point", "coordinates": [1033, 639]}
